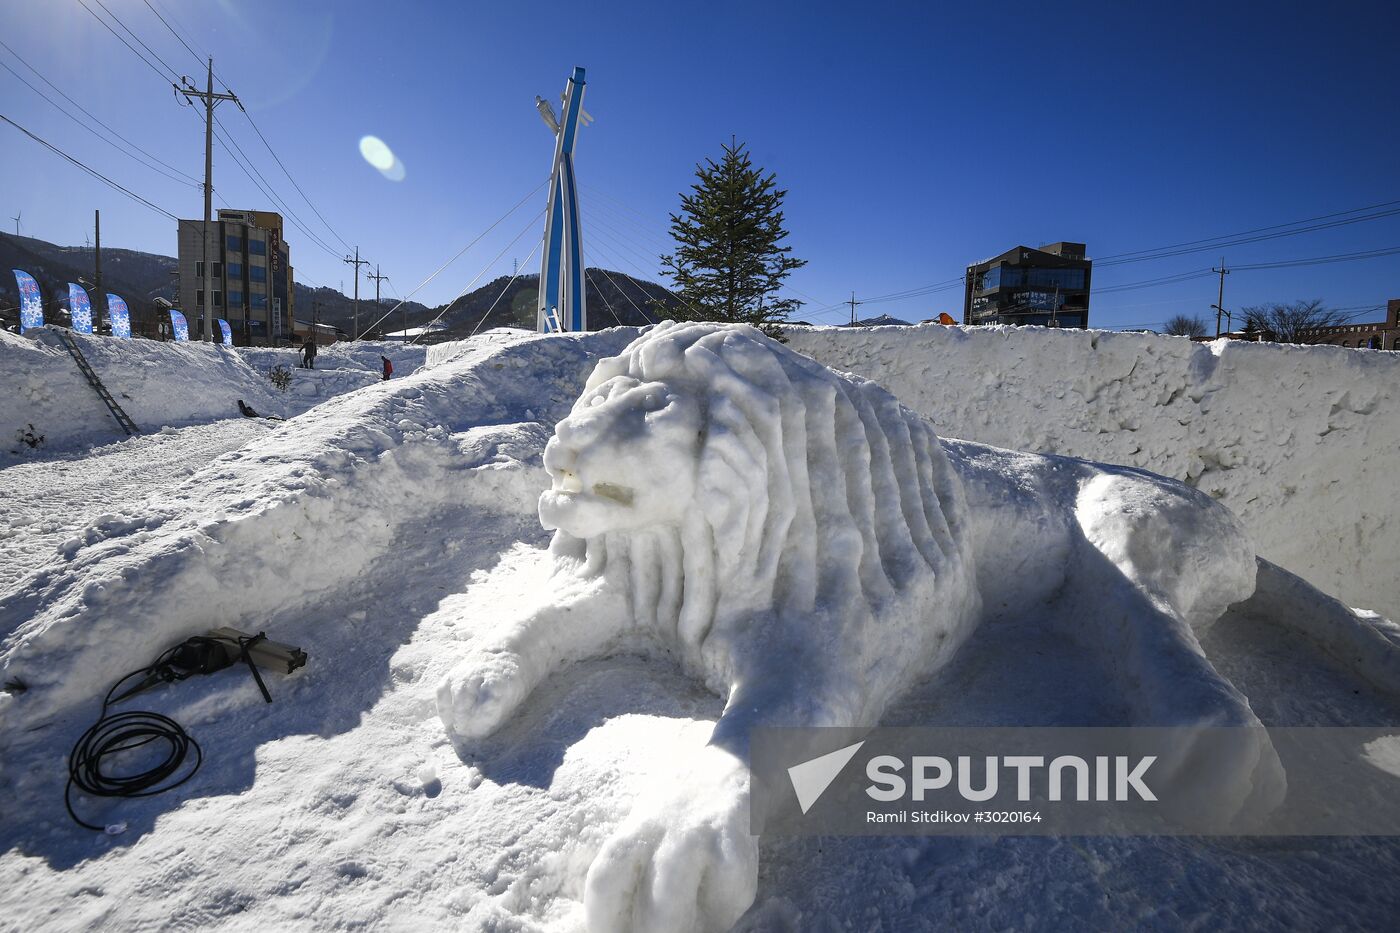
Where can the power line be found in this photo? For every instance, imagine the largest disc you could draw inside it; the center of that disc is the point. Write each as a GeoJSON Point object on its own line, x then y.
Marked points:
{"type": "Point", "coordinates": [1384, 209]}
{"type": "Point", "coordinates": [91, 171]}
{"type": "Point", "coordinates": [197, 56]}
{"type": "Point", "coordinates": [117, 19]}
{"type": "Point", "coordinates": [265, 186]}
{"type": "Point", "coordinates": [459, 253]}
{"type": "Point", "coordinates": [477, 277]}
{"type": "Point", "coordinates": [149, 64]}
{"type": "Point", "coordinates": [149, 158]}
{"type": "Point", "coordinates": [1323, 260]}
{"type": "Point", "coordinates": [226, 140]}
{"type": "Point", "coordinates": [293, 180]}
{"type": "Point", "coordinates": [1160, 280]}
{"type": "Point", "coordinates": [256, 129]}
{"type": "Point", "coordinates": [534, 249]}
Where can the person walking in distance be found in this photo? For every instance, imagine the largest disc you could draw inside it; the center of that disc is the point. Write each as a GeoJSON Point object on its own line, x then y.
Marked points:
{"type": "Point", "coordinates": [308, 353]}
{"type": "Point", "coordinates": [388, 367]}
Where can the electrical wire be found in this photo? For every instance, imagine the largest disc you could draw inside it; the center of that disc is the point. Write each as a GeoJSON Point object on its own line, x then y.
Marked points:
{"type": "Point", "coordinates": [477, 277]}
{"type": "Point", "coordinates": [123, 41]}
{"type": "Point", "coordinates": [173, 32]}
{"type": "Point", "coordinates": [117, 19]}
{"type": "Point", "coordinates": [145, 157]}
{"type": "Point", "coordinates": [265, 187]}
{"type": "Point", "coordinates": [519, 204]}
{"type": "Point", "coordinates": [528, 257]}
{"type": "Point", "coordinates": [89, 767]}
{"type": "Point", "coordinates": [91, 171]}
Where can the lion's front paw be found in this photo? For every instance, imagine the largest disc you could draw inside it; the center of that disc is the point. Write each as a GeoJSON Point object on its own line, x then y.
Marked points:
{"type": "Point", "coordinates": [683, 860]}
{"type": "Point", "coordinates": [477, 696]}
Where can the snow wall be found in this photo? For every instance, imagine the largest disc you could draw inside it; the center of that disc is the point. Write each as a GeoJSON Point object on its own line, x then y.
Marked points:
{"type": "Point", "coordinates": [1303, 443]}
{"type": "Point", "coordinates": [156, 383]}
{"type": "Point", "coordinates": [161, 384]}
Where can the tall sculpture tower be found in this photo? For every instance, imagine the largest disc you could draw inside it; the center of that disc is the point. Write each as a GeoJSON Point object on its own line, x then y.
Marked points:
{"type": "Point", "coordinates": [562, 304]}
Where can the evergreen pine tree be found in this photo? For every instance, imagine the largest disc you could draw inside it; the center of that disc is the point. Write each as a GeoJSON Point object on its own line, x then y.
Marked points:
{"type": "Point", "coordinates": [730, 259]}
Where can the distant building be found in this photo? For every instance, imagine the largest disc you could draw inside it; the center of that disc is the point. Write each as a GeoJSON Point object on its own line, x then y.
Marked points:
{"type": "Point", "coordinates": [1047, 286]}
{"type": "Point", "coordinates": [1383, 335]}
{"type": "Point", "coordinates": [250, 276]}
{"type": "Point", "coordinates": [325, 334]}
{"type": "Point", "coordinates": [432, 333]}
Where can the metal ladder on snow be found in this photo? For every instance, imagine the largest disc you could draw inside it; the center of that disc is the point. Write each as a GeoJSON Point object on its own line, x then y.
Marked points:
{"type": "Point", "coordinates": [85, 368]}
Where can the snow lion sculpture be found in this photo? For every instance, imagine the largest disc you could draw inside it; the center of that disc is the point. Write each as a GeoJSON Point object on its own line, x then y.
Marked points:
{"type": "Point", "coordinates": [811, 550]}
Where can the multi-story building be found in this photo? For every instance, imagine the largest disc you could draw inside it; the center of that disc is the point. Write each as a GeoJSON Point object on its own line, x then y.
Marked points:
{"type": "Point", "coordinates": [1047, 286]}
{"type": "Point", "coordinates": [250, 276]}
{"type": "Point", "coordinates": [1381, 335]}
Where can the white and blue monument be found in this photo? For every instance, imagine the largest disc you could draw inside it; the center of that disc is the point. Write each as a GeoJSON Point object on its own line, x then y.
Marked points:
{"type": "Point", "coordinates": [563, 305]}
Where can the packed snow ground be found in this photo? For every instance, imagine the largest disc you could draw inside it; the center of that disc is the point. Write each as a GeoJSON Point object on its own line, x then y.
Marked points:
{"type": "Point", "coordinates": [49, 499]}
{"type": "Point", "coordinates": [387, 529]}
{"type": "Point", "coordinates": [1302, 443]}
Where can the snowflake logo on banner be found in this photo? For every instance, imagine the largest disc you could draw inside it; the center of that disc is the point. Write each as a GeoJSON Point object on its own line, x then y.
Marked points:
{"type": "Point", "coordinates": [80, 309]}
{"type": "Point", "coordinates": [31, 305]}
{"type": "Point", "coordinates": [179, 325]}
{"type": "Point", "coordinates": [118, 316]}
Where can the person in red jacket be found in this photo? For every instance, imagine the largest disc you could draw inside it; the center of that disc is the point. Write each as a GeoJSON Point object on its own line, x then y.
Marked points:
{"type": "Point", "coordinates": [388, 367]}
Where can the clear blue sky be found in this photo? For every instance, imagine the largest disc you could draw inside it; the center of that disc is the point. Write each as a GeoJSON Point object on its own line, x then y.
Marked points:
{"type": "Point", "coordinates": [913, 138]}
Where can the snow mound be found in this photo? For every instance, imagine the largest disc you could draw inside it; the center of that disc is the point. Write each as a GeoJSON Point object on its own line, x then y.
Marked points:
{"type": "Point", "coordinates": [1302, 443]}
{"type": "Point", "coordinates": [291, 517]}
{"type": "Point", "coordinates": [156, 383]}
{"type": "Point", "coordinates": [168, 384]}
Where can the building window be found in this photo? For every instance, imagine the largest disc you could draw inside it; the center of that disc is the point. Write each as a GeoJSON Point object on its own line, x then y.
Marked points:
{"type": "Point", "coordinates": [199, 297]}
{"type": "Point", "coordinates": [257, 273]}
{"type": "Point", "coordinates": [1063, 278]}
{"type": "Point", "coordinates": [235, 299]}
{"type": "Point", "coordinates": [257, 248]}
{"type": "Point", "coordinates": [259, 302]}
{"type": "Point", "coordinates": [218, 298]}
{"type": "Point", "coordinates": [235, 270]}
{"type": "Point", "coordinates": [235, 243]}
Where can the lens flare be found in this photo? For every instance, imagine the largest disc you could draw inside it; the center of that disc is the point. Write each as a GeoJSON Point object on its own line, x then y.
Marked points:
{"type": "Point", "coordinates": [378, 154]}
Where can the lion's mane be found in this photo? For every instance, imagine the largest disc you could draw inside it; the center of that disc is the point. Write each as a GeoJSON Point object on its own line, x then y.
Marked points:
{"type": "Point", "coordinates": [819, 497]}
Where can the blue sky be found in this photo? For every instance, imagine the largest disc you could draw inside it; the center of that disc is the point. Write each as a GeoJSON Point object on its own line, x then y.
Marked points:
{"type": "Point", "coordinates": [913, 138]}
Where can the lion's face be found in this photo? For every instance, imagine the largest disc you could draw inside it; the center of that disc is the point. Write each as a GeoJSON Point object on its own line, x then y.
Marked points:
{"type": "Point", "coordinates": [624, 458]}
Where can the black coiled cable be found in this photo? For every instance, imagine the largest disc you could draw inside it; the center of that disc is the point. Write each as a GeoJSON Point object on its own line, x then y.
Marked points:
{"type": "Point", "coordinates": [89, 766]}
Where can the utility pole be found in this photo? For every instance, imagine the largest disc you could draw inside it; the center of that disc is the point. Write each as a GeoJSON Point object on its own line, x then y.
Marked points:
{"type": "Point", "coordinates": [99, 300]}
{"type": "Point", "coordinates": [853, 304]}
{"type": "Point", "coordinates": [1220, 300]}
{"type": "Point", "coordinates": [377, 279]}
{"type": "Point", "coordinates": [356, 262]}
{"type": "Point", "coordinates": [187, 88]}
